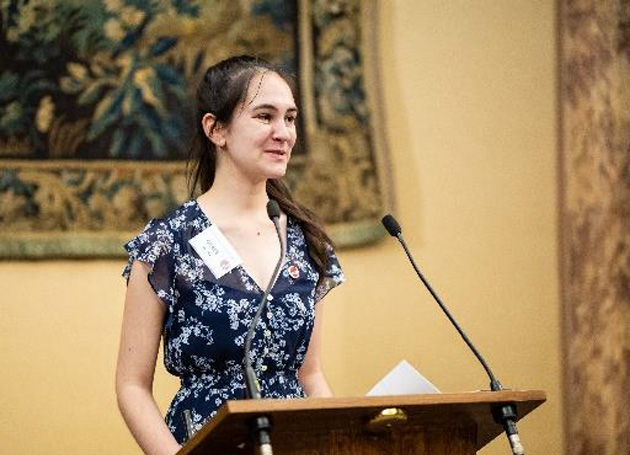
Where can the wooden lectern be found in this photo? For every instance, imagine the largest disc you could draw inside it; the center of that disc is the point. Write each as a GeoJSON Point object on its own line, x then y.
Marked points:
{"type": "Point", "coordinates": [450, 423]}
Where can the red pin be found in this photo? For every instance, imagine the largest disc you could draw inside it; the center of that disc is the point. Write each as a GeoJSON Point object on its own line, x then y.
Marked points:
{"type": "Point", "coordinates": [294, 272]}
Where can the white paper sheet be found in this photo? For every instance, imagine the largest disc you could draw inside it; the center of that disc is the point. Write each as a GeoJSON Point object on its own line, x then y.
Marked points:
{"type": "Point", "coordinates": [403, 379]}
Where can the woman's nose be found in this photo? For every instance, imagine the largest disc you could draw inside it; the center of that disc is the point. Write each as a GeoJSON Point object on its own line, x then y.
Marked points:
{"type": "Point", "coordinates": [281, 130]}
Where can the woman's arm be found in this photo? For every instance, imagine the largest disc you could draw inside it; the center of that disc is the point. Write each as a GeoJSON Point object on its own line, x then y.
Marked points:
{"type": "Point", "coordinates": [311, 374]}
{"type": "Point", "coordinates": [140, 339]}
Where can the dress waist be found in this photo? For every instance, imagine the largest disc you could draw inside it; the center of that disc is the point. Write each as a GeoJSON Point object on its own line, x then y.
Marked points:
{"type": "Point", "coordinates": [233, 377]}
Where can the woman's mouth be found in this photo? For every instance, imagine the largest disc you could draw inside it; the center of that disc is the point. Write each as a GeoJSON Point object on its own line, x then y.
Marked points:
{"type": "Point", "coordinates": [277, 152]}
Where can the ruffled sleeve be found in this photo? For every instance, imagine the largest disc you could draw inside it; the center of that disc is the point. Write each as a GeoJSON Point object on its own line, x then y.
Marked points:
{"type": "Point", "coordinates": [334, 276]}
{"type": "Point", "coordinates": [154, 246]}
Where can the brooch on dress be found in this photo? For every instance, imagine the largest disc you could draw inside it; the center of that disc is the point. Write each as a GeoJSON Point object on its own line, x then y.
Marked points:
{"type": "Point", "coordinates": [294, 272]}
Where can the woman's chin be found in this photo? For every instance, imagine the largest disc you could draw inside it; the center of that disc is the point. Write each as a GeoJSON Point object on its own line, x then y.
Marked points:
{"type": "Point", "coordinates": [276, 172]}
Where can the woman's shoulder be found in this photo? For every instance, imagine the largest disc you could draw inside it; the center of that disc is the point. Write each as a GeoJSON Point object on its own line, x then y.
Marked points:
{"type": "Point", "coordinates": [163, 237]}
{"type": "Point", "coordinates": [169, 228]}
{"type": "Point", "coordinates": [296, 233]}
{"type": "Point", "coordinates": [181, 218]}
{"type": "Point", "coordinates": [186, 213]}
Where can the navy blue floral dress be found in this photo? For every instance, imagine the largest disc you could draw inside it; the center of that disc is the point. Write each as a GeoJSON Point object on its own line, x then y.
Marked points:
{"type": "Point", "coordinates": [207, 318]}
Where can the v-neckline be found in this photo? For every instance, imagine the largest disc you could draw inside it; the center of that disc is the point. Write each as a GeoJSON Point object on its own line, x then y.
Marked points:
{"type": "Point", "coordinates": [242, 265]}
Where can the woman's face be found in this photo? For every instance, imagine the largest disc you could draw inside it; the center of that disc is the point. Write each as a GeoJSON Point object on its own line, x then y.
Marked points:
{"type": "Point", "coordinates": [261, 135]}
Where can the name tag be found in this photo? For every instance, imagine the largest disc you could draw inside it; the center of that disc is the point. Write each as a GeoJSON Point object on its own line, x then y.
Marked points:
{"type": "Point", "coordinates": [215, 251]}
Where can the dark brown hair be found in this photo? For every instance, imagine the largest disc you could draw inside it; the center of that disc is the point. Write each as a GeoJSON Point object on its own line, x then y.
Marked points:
{"type": "Point", "coordinates": [219, 93]}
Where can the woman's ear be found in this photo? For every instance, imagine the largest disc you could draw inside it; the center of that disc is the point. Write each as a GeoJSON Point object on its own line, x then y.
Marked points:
{"type": "Point", "coordinates": [213, 130]}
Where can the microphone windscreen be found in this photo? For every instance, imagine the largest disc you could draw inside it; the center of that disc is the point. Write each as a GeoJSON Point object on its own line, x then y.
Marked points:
{"type": "Point", "coordinates": [273, 209]}
{"type": "Point", "coordinates": [391, 225]}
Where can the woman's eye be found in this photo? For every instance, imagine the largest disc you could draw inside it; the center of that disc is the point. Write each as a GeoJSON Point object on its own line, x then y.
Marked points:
{"type": "Point", "coordinates": [265, 117]}
{"type": "Point", "coordinates": [290, 119]}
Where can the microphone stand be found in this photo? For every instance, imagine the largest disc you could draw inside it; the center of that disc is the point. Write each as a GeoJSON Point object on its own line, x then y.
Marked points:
{"type": "Point", "coordinates": [504, 414]}
{"type": "Point", "coordinates": [261, 425]}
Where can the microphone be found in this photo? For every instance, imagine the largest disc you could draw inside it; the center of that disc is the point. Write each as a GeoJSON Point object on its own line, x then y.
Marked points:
{"type": "Point", "coordinates": [262, 424]}
{"type": "Point", "coordinates": [273, 212]}
{"type": "Point", "coordinates": [505, 414]}
{"type": "Point", "coordinates": [392, 225]}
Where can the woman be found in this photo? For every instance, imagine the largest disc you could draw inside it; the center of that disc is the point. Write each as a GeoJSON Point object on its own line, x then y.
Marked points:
{"type": "Point", "coordinates": [246, 118]}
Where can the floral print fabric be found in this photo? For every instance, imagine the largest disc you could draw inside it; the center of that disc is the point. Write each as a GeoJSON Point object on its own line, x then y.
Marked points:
{"type": "Point", "coordinates": [207, 319]}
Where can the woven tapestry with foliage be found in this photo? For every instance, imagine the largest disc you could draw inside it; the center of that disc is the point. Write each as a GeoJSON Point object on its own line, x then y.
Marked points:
{"type": "Point", "coordinates": [95, 113]}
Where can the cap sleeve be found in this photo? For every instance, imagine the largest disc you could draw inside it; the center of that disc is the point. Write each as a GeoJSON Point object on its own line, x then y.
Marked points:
{"type": "Point", "coordinates": [154, 247]}
{"type": "Point", "coordinates": [334, 276]}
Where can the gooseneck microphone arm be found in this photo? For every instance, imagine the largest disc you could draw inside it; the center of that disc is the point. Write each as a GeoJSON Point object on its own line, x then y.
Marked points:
{"type": "Point", "coordinates": [261, 424]}
{"type": "Point", "coordinates": [394, 230]}
{"type": "Point", "coordinates": [504, 414]}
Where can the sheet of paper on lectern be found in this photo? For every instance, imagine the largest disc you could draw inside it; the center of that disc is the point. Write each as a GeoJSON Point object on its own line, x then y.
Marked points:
{"type": "Point", "coordinates": [403, 379]}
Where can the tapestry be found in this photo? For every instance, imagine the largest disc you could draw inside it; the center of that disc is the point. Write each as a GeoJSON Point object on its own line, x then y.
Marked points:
{"type": "Point", "coordinates": [96, 102]}
{"type": "Point", "coordinates": [595, 224]}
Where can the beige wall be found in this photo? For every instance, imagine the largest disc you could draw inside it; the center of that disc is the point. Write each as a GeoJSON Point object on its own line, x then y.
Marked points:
{"type": "Point", "coordinates": [469, 94]}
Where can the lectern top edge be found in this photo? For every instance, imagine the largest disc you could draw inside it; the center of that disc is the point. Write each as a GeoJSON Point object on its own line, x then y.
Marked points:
{"type": "Point", "coordinates": [279, 405]}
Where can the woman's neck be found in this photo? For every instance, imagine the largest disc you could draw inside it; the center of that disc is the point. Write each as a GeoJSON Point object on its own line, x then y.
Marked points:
{"type": "Point", "coordinates": [234, 197]}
